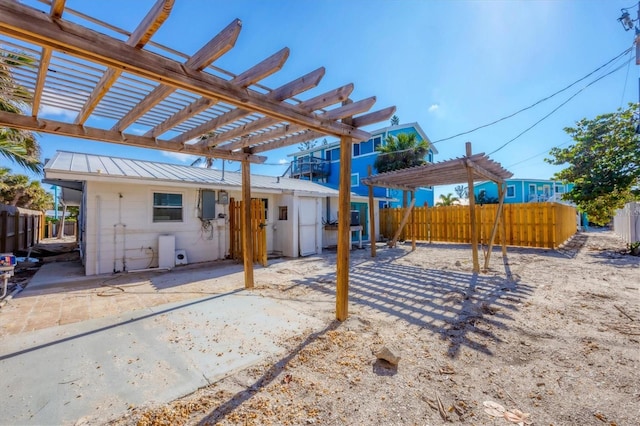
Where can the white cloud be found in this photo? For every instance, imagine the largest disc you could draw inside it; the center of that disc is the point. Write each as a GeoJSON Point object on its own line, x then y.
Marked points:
{"type": "Point", "coordinates": [183, 158]}
{"type": "Point", "coordinates": [49, 110]}
{"type": "Point", "coordinates": [283, 161]}
{"type": "Point", "coordinates": [434, 108]}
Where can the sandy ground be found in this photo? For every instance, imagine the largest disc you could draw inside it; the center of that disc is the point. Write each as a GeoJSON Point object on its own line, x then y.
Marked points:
{"type": "Point", "coordinates": [551, 337]}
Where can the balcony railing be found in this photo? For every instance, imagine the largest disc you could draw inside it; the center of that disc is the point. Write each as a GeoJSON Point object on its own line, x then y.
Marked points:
{"type": "Point", "coordinates": [312, 168]}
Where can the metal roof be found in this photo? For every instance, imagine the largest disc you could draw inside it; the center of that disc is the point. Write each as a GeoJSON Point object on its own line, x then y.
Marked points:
{"type": "Point", "coordinates": [66, 164]}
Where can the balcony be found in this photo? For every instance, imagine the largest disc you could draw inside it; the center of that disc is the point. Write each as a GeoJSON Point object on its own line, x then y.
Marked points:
{"type": "Point", "coordinates": [310, 168]}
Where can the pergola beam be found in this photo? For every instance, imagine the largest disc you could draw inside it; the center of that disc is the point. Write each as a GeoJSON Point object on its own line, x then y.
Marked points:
{"type": "Point", "coordinates": [8, 119]}
{"type": "Point", "coordinates": [139, 38]}
{"type": "Point", "coordinates": [217, 46]}
{"type": "Point", "coordinates": [57, 8]}
{"type": "Point", "coordinates": [28, 24]}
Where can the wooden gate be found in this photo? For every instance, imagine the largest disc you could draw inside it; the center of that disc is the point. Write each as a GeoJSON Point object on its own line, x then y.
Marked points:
{"type": "Point", "coordinates": [258, 230]}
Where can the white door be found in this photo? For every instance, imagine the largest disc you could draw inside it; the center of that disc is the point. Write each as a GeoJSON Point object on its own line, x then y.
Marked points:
{"type": "Point", "coordinates": [307, 223]}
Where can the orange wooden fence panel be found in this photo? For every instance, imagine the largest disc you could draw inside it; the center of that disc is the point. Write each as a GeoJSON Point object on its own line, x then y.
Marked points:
{"type": "Point", "coordinates": [545, 225]}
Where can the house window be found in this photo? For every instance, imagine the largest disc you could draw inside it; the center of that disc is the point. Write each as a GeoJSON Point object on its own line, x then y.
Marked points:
{"type": "Point", "coordinates": [355, 179]}
{"type": "Point", "coordinates": [511, 191]}
{"type": "Point", "coordinates": [333, 154]}
{"type": "Point", "coordinates": [377, 141]}
{"type": "Point", "coordinates": [559, 189]}
{"type": "Point", "coordinates": [167, 207]}
{"type": "Point", "coordinates": [366, 147]}
{"type": "Point", "coordinates": [482, 194]}
{"type": "Point", "coordinates": [356, 149]}
{"type": "Point", "coordinates": [283, 212]}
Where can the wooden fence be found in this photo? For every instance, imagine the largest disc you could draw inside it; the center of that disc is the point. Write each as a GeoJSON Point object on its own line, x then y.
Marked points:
{"type": "Point", "coordinates": [51, 229]}
{"type": "Point", "coordinates": [529, 224]}
{"type": "Point", "coordinates": [19, 228]}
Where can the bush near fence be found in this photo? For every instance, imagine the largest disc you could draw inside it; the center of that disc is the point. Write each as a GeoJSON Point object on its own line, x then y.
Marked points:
{"type": "Point", "coordinates": [19, 228]}
{"type": "Point", "coordinates": [544, 225]}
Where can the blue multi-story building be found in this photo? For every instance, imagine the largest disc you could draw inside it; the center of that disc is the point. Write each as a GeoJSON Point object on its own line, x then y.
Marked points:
{"type": "Point", "coordinates": [321, 164]}
{"type": "Point", "coordinates": [525, 190]}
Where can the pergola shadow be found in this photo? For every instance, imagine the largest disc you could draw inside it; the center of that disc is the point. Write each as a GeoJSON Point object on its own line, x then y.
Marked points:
{"type": "Point", "coordinates": [464, 308]}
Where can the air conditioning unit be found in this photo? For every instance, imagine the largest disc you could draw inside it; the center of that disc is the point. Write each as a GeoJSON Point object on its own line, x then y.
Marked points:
{"type": "Point", "coordinates": [181, 257]}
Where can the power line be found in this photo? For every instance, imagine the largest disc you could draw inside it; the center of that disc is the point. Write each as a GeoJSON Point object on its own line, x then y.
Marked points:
{"type": "Point", "coordinates": [536, 155]}
{"type": "Point", "coordinates": [626, 77]}
{"type": "Point", "coordinates": [537, 102]}
{"type": "Point", "coordinates": [557, 108]}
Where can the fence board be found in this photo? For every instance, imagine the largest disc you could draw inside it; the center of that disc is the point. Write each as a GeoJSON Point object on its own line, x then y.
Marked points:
{"type": "Point", "coordinates": [544, 225]}
{"type": "Point", "coordinates": [19, 228]}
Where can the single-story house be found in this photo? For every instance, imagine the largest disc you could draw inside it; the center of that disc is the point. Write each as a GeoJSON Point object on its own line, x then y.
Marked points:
{"type": "Point", "coordinates": [133, 211]}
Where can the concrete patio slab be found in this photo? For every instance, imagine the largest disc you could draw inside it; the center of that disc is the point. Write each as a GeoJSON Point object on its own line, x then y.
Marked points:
{"type": "Point", "coordinates": [97, 369]}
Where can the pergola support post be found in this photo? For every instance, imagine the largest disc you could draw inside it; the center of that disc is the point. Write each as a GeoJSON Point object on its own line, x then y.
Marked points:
{"type": "Point", "coordinates": [344, 224]}
{"type": "Point", "coordinates": [247, 237]}
{"type": "Point", "coordinates": [472, 213]}
{"type": "Point", "coordinates": [372, 218]}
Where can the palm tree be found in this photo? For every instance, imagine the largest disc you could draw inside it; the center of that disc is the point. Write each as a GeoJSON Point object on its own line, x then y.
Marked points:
{"type": "Point", "coordinates": [19, 146]}
{"type": "Point", "coordinates": [401, 152]}
{"type": "Point", "coordinates": [447, 200]}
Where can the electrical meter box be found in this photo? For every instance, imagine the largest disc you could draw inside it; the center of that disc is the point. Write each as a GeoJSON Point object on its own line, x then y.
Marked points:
{"type": "Point", "coordinates": [207, 204]}
{"type": "Point", "coordinates": [223, 197]}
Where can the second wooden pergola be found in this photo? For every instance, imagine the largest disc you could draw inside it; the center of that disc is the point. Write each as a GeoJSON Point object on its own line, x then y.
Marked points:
{"type": "Point", "coordinates": [467, 169]}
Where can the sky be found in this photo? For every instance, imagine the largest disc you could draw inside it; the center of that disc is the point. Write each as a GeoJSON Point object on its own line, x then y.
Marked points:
{"type": "Point", "coordinates": [451, 66]}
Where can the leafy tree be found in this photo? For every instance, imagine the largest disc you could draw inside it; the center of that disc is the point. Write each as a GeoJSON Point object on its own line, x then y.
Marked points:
{"type": "Point", "coordinates": [603, 163]}
{"type": "Point", "coordinates": [395, 120]}
{"type": "Point", "coordinates": [447, 200]}
{"type": "Point", "coordinates": [19, 146]}
{"type": "Point", "coordinates": [207, 161]}
{"type": "Point", "coordinates": [461, 191]}
{"type": "Point", "coordinates": [19, 191]}
{"type": "Point", "coordinates": [401, 152]}
{"type": "Point", "coordinates": [307, 145]}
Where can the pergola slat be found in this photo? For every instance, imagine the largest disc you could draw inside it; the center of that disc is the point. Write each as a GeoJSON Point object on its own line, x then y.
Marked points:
{"type": "Point", "coordinates": [217, 46]}
{"type": "Point", "coordinates": [335, 114]}
{"type": "Point", "coordinates": [57, 8]}
{"type": "Point", "coordinates": [286, 91]}
{"type": "Point", "coordinates": [332, 97]}
{"type": "Point", "coordinates": [140, 36]}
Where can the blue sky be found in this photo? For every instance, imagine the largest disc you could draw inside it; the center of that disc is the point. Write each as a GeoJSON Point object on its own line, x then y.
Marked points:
{"type": "Point", "coordinates": [449, 65]}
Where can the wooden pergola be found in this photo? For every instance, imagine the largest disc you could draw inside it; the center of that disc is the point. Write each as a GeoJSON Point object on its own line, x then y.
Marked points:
{"type": "Point", "coordinates": [128, 81]}
{"type": "Point", "coordinates": [467, 169]}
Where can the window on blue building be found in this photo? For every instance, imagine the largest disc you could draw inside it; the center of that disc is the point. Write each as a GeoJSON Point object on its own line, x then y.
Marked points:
{"type": "Point", "coordinates": [377, 141]}
{"type": "Point", "coordinates": [366, 147]}
{"type": "Point", "coordinates": [356, 149]}
{"type": "Point", "coordinates": [511, 191]}
{"type": "Point", "coordinates": [355, 179]}
{"type": "Point", "coordinates": [333, 154]}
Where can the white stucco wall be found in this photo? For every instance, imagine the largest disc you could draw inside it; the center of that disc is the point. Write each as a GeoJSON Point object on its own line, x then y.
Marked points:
{"type": "Point", "coordinates": [121, 234]}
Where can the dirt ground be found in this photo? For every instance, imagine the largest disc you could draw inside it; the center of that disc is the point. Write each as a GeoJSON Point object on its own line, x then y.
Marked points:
{"type": "Point", "coordinates": [550, 337]}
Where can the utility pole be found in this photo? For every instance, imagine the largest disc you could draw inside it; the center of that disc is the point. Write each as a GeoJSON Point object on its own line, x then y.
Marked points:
{"type": "Point", "coordinates": [631, 24]}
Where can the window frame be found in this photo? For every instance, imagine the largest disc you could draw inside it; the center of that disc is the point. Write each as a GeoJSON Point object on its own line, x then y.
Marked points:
{"type": "Point", "coordinates": [507, 192]}
{"type": "Point", "coordinates": [155, 206]}
{"type": "Point", "coordinates": [357, 176]}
